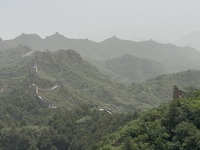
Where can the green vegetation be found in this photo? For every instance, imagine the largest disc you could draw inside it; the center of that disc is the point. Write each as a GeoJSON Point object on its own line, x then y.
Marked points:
{"type": "Point", "coordinates": [78, 81]}
{"type": "Point", "coordinates": [169, 127]}
{"type": "Point", "coordinates": [25, 125]}
{"type": "Point", "coordinates": [79, 90]}
{"type": "Point", "coordinates": [159, 89]}
{"type": "Point", "coordinates": [134, 69]}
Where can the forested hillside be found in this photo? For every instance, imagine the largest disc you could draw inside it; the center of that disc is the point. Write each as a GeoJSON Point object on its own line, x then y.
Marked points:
{"type": "Point", "coordinates": [159, 89]}
{"type": "Point", "coordinates": [99, 75]}
{"type": "Point", "coordinates": [26, 125]}
{"type": "Point", "coordinates": [134, 69]}
{"type": "Point", "coordinates": [64, 79]}
{"type": "Point", "coordinates": [80, 115]}
{"type": "Point", "coordinates": [58, 100]}
{"type": "Point", "coordinates": [172, 126]}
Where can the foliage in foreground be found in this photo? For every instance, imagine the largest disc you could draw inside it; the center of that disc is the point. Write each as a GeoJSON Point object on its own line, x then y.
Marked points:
{"type": "Point", "coordinates": [25, 125]}
{"type": "Point", "coordinates": [170, 127]}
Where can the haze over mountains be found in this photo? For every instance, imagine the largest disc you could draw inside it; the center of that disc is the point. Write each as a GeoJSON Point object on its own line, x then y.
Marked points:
{"type": "Point", "coordinates": [60, 100]}
{"type": "Point", "coordinates": [80, 82]}
{"type": "Point", "coordinates": [135, 69]}
{"type": "Point", "coordinates": [192, 39]}
{"type": "Point", "coordinates": [172, 58]}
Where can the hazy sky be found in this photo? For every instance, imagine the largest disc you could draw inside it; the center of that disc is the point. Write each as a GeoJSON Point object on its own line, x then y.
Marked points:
{"type": "Point", "coordinates": [100, 19]}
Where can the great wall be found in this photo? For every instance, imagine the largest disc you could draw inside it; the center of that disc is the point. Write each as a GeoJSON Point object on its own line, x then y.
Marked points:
{"type": "Point", "coordinates": [44, 102]}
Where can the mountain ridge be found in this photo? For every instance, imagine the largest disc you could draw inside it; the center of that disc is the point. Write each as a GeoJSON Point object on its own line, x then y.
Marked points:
{"type": "Point", "coordinates": [191, 39]}
{"type": "Point", "coordinates": [134, 69]}
{"type": "Point", "coordinates": [174, 58]}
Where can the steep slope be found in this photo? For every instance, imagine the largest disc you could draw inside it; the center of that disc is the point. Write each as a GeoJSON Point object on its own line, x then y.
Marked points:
{"type": "Point", "coordinates": [134, 69]}
{"type": "Point", "coordinates": [172, 126]}
{"type": "Point", "coordinates": [80, 82]}
{"type": "Point", "coordinates": [65, 79]}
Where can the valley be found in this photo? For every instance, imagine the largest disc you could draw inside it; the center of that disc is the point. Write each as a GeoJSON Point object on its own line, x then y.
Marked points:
{"type": "Point", "coordinates": [62, 100]}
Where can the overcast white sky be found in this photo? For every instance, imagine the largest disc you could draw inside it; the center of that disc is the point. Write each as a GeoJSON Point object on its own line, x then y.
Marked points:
{"type": "Point", "coordinates": [100, 19]}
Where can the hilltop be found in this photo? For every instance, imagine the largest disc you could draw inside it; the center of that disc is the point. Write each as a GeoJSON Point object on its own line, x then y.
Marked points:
{"type": "Point", "coordinates": [172, 57]}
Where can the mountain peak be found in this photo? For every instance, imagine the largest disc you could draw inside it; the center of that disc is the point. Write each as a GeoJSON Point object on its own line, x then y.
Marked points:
{"type": "Point", "coordinates": [56, 35]}
{"type": "Point", "coordinates": [151, 42]}
{"type": "Point", "coordinates": [112, 39]}
{"type": "Point", "coordinates": [25, 36]}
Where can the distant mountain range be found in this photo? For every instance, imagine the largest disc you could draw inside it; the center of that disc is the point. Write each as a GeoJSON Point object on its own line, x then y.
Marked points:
{"type": "Point", "coordinates": [192, 39]}
{"type": "Point", "coordinates": [58, 100]}
{"type": "Point", "coordinates": [171, 57]}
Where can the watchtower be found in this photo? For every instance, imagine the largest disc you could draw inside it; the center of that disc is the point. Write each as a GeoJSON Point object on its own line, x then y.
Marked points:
{"type": "Point", "coordinates": [177, 93]}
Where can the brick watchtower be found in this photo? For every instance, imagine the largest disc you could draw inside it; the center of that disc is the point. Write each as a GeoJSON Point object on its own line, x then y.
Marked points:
{"type": "Point", "coordinates": [177, 93]}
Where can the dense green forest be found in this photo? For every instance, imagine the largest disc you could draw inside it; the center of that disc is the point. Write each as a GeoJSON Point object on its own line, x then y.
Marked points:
{"type": "Point", "coordinates": [173, 126]}
{"type": "Point", "coordinates": [26, 125]}
{"type": "Point", "coordinates": [58, 100]}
